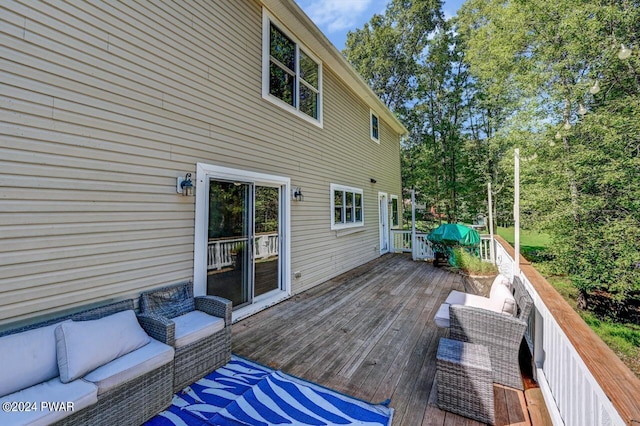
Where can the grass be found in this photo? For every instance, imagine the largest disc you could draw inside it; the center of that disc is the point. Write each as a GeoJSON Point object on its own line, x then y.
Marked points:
{"type": "Point", "coordinates": [623, 339]}
{"type": "Point", "coordinates": [527, 238]}
{"type": "Point", "coordinates": [471, 264]}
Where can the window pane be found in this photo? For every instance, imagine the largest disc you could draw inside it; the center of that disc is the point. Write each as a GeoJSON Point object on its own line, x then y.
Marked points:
{"type": "Point", "coordinates": [394, 212]}
{"type": "Point", "coordinates": [349, 199]}
{"type": "Point", "coordinates": [337, 215]}
{"type": "Point", "coordinates": [374, 127]}
{"type": "Point", "coordinates": [358, 214]}
{"type": "Point", "coordinates": [281, 84]}
{"type": "Point", "coordinates": [358, 200]}
{"type": "Point", "coordinates": [282, 48]}
{"type": "Point", "coordinates": [308, 101]}
{"type": "Point", "coordinates": [337, 198]}
{"type": "Point", "coordinates": [308, 70]}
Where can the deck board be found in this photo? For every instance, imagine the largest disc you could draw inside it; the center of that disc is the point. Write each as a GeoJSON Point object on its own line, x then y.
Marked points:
{"type": "Point", "coordinates": [369, 333]}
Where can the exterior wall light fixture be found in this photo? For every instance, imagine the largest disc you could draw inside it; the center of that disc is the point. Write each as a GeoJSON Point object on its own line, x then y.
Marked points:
{"type": "Point", "coordinates": [297, 194]}
{"type": "Point", "coordinates": [372, 180]}
{"type": "Point", "coordinates": [184, 185]}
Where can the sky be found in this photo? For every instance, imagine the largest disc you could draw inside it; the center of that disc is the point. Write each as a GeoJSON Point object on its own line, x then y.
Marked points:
{"type": "Point", "coordinates": [336, 17]}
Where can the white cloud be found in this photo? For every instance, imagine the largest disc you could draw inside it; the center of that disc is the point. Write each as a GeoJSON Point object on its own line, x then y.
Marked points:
{"type": "Point", "coordinates": [335, 15]}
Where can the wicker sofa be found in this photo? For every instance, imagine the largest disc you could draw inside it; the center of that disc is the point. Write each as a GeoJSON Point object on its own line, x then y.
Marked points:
{"type": "Point", "coordinates": [500, 333]}
{"type": "Point", "coordinates": [199, 328]}
{"type": "Point", "coordinates": [99, 364]}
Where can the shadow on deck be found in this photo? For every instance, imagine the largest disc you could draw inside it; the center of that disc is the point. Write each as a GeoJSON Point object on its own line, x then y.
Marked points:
{"type": "Point", "coordinates": [369, 333]}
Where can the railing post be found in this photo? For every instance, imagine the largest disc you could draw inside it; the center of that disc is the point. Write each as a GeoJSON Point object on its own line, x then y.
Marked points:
{"type": "Point", "coordinates": [492, 249]}
{"type": "Point", "coordinates": [413, 224]}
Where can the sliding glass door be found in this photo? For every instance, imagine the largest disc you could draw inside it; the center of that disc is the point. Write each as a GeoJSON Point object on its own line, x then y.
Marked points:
{"type": "Point", "coordinates": [243, 246]}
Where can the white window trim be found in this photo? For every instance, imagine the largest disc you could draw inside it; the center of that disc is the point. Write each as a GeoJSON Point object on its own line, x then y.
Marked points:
{"type": "Point", "coordinates": [337, 226]}
{"type": "Point", "coordinates": [266, 20]}
{"type": "Point", "coordinates": [391, 198]}
{"type": "Point", "coordinates": [371, 115]}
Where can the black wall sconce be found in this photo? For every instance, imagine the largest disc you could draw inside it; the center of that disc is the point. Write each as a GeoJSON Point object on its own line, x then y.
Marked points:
{"type": "Point", "coordinates": [297, 194]}
{"type": "Point", "coordinates": [184, 185]}
{"type": "Point", "coordinates": [372, 180]}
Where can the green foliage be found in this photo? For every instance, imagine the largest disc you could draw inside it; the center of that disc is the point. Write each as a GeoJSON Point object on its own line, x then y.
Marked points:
{"type": "Point", "coordinates": [471, 264]}
{"type": "Point", "coordinates": [581, 180]}
{"type": "Point", "coordinates": [623, 339]}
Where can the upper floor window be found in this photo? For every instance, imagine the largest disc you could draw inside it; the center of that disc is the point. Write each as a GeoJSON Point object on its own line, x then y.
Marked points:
{"type": "Point", "coordinates": [375, 127]}
{"type": "Point", "coordinates": [292, 77]}
{"type": "Point", "coordinates": [346, 207]}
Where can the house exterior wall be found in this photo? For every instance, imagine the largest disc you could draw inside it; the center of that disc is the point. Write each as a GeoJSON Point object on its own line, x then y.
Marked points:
{"type": "Point", "coordinates": [103, 105]}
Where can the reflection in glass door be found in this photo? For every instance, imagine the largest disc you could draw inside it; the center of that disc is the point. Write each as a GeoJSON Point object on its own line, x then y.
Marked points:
{"type": "Point", "coordinates": [243, 241]}
{"type": "Point", "coordinates": [229, 265]}
{"type": "Point", "coordinates": [267, 244]}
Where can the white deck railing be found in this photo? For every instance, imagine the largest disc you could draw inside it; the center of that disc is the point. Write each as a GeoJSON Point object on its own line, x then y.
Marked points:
{"type": "Point", "coordinates": [401, 243]}
{"type": "Point", "coordinates": [485, 248]}
{"type": "Point", "coordinates": [571, 391]}
{"type": "Point", "coordinates": [221, 252]}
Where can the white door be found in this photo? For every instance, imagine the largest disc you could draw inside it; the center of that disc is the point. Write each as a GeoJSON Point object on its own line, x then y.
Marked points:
{"type": "Point", "coordinates": [383, 214]}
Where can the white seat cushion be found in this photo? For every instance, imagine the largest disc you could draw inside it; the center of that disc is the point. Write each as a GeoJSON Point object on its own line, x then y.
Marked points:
{"type": "Point", "coordinates": [442, 316]}
{"type": "Point", "coordinates": [194, 326]}
{"type": "Point", "coordinates": [27, 358]}
{"type": "Point", "coordinates": [501, 301]}
{"type": "Point", "coordinates": [83, 346]}
{"type": "Point", "coordinates": [459, 298]}
{"type": "Point", "coordinates": [82, 394]}
{"type": "Point", "coordinates": [134, 364]}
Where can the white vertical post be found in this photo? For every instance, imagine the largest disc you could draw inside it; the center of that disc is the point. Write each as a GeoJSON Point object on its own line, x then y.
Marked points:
{"type": "Point", "coordinates": [516, 212]}
{"type": "Point", "coordinates": [492, 249]}
{"type": "Point", "coordinates": [413, 224]}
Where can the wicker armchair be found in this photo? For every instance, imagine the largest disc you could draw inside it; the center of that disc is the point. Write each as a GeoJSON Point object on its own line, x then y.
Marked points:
{"type": "Point", "coordinates": [199, 349]}
{"type": "Point", "coordinates": [500, 333]}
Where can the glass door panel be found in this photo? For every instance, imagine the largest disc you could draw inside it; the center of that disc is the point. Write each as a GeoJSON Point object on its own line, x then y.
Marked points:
{"type": "Point", "coordinates": [266, 241]}
{"type": "Point", "coordinates": [230, 239]}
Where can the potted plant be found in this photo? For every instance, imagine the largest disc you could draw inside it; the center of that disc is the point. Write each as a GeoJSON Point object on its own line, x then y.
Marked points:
{"type": "Point", "coordinates": [478, 274]}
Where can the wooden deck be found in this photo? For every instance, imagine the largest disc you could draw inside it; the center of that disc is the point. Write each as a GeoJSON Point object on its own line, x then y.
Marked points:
{"type": "Point", "coordinates": [370, 333]}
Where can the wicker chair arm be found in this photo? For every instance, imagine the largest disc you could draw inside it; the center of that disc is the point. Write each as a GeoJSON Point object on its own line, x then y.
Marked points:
{"type": "Point", "coordinates": [485, 327]}
{"type": "Point", "coordinates": [158, 327]}
{"type": "Point", "coordinates": [216, 306]}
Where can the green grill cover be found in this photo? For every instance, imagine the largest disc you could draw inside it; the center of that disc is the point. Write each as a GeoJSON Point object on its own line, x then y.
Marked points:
{"type": "Point", "coordinates": [452, 233]}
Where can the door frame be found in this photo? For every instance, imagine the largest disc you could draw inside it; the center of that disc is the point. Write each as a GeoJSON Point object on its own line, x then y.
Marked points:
{"type": "Point", "coordinates": [204, 172]}
{"type": "Point", "coordinates": [383, 220]}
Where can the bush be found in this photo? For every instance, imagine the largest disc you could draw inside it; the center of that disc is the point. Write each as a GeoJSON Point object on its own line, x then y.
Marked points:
{"type": "Point", "coordinates": [472, 265]}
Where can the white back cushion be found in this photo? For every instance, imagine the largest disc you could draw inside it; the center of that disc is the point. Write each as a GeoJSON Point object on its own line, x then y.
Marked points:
{"type": "Point", "coordinates": [27, 358]}
{"type": "Point", "coordinates": [501, 281]}
{"type": "Point", "coordinates": [84, 346]}
{"type": "Point", "coordinates": [503, 301]}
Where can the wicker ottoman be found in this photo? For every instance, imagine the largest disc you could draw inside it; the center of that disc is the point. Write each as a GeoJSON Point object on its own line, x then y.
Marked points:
{"type": "Point", "coordinates": [465, 380]}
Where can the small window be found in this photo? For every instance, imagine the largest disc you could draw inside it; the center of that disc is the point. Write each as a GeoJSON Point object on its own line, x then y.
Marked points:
{"type": "Point", "coordinates": [346, 207]}
{"type": "Point", "coordinates": [292, 77]}
{"type": "Point", "coordinates": [375, 127]}
{"type": "Point", "coordinates": [395, 212]}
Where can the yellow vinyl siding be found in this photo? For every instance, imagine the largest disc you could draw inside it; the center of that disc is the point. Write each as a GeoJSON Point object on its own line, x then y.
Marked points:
{"type": "Point", "coordinates": [103, 105]}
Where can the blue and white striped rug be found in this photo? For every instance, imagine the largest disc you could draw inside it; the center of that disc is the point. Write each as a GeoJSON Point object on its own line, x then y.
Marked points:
{"type": "Point", "coordinates": [245, 393]}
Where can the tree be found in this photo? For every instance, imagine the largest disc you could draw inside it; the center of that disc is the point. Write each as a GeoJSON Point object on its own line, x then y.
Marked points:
{"type": "Point", "coordinates": [413, 61]}
{"type": "Point", "coordinates": [585, 174]}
